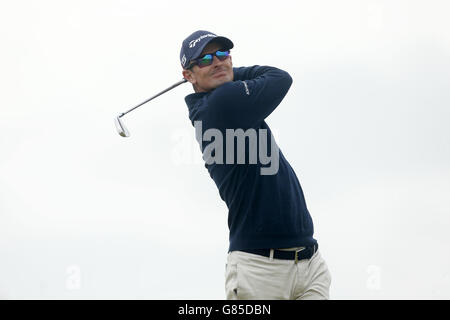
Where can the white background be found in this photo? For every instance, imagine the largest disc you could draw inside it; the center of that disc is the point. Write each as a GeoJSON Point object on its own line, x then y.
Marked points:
{"type": "Point", "coordinates": [85, 213]}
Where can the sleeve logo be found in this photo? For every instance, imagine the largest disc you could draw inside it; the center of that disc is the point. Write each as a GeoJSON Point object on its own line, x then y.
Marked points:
{"type": "Point", "coordinates": [246, 88]}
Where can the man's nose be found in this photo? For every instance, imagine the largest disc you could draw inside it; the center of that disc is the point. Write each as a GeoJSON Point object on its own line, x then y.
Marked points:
{"type": "Point", "coordinates": [216, 61]}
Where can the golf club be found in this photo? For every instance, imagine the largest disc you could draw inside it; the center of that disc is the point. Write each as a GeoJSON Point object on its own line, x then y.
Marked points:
{"type": "Point", "coordinates": [123, 131]}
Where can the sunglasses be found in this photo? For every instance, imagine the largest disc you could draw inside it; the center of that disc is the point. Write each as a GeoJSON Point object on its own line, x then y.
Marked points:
{"type": "Point", "coordinates": [208, 59]}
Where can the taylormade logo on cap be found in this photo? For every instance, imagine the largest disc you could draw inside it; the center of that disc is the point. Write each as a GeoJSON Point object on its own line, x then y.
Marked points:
{"type": "Point", "coordinates": [193, 45]}
{"type": "Point", "coordinates": [194, 42]}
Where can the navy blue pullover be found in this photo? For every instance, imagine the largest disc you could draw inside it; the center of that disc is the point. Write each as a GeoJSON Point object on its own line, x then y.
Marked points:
{"type": "Point", "coordinates": [265, 211]}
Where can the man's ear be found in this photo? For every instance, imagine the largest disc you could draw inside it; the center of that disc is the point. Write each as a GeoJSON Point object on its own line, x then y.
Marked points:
{"type": "Point", "coordinates": [189, 76]}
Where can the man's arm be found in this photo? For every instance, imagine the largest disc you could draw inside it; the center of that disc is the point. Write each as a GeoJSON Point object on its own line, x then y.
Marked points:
{"type": "Point", "coordinates": [249, 73]}
{"type": "Point", "coordinates": [252, 96]}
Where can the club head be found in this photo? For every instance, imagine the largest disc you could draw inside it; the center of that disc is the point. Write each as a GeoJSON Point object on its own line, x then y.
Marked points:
{"type": "Point", "coordinates": [123, 131]}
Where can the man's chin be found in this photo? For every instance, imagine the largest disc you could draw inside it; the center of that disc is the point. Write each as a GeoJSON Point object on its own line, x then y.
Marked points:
{"type": "Point", "coordinates": [215, 83]}
{"type": "Point", "coordinates": [221, 80]}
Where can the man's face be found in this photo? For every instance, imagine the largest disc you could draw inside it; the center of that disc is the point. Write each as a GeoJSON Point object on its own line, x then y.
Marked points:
{"type": "Point", "coordinates": [210, 77]}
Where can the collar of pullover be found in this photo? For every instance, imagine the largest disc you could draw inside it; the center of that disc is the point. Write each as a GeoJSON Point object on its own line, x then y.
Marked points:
{"type": "Point", "coordinates": [193, 98]}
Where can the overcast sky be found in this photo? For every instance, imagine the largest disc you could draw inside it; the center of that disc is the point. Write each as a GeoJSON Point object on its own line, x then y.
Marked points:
{"type": "Point", "coordinates": [87, 214]}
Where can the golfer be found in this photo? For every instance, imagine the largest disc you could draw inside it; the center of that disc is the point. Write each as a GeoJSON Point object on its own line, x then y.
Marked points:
{"type": "Point", "coordinates": [272, 253]}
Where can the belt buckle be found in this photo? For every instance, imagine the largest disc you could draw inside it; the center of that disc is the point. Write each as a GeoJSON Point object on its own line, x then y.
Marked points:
{"type": "Point", "coordinates": [296, 254]}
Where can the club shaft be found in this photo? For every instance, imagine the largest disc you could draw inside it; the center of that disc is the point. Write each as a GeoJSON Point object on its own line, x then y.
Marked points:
{"type": "Point", "coordinates": [156, 95]}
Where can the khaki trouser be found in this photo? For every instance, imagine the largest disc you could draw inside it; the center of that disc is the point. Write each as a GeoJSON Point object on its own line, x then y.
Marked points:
{"type": "Point", "coordinates": [250, 276]}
